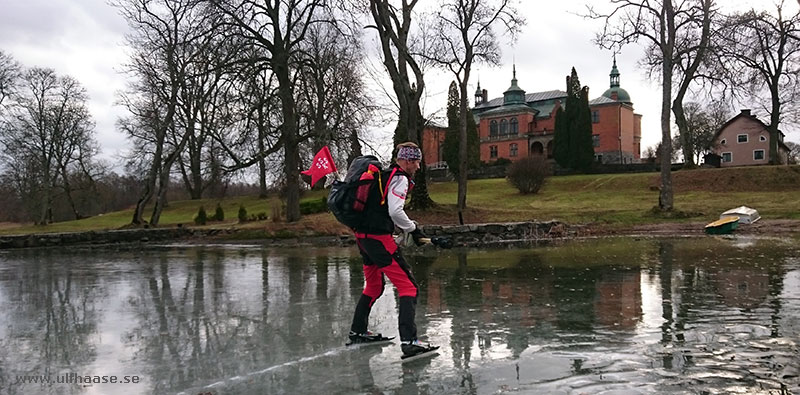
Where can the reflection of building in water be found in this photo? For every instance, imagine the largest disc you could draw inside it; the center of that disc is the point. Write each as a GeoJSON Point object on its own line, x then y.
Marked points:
{"type": "Point", "coordinates": [618, 300]}
{"type": "Point", "coordinates": [741, 288]}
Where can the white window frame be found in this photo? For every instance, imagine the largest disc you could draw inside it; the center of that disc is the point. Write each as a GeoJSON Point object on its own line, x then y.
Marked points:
{"type": "Point", "coordinates": [762, 138]}
{"type": "Point", "coordinates": [746, 138]}
{"type": "Point", "coordinates": [723, 157]}
{"type": "Point", "coordinates": [763, 154]}
{"type": "Point", "coordinates": [723, 141]}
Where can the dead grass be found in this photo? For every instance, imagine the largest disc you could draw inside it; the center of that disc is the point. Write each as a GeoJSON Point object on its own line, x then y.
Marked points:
{"type": "Point", "coordinates": [608, 201]}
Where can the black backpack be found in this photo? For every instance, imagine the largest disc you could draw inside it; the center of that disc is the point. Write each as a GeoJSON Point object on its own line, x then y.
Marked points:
{"type": "Point", "coordinates": [348, 199]}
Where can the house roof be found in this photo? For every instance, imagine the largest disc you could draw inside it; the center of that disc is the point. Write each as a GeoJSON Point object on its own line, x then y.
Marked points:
{"type": "Point", "coordinates": [529, 97]}
{"type": "Point", "coordinates": [601, 100]}
{"type": "Point", "coordinates": [511, 108]}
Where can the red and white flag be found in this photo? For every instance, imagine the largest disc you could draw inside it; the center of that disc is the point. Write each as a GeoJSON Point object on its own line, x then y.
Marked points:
{"type": "Point", "coordinates": [321, 166]}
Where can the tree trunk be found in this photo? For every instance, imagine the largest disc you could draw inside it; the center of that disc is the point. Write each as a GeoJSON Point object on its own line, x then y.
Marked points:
{"type": "Point", "coordinates": [774, 123]}
{"type": "Point", "coordinates": [665, 197]}
{"type": "Point", "coordinates": [291, 157]}
{"type": "Point", "coordinates": [462, 147]}
{"type": "Point", "coordinates": [687, 147]}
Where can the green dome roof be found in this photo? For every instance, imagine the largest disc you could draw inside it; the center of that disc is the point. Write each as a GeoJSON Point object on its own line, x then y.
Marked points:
{"type": "Point", "coordinates": [622, 94]}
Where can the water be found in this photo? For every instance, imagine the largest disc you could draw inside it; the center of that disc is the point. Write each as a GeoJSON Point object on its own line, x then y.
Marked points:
{"type": "Point", "coordinates": [609, 316]}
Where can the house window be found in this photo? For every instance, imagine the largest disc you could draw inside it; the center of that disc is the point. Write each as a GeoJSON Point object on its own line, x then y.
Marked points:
{"type": "Point", "coordinates": [741, 138]}
{"type": "Point", "coordinates": [493, 128]}
{"type": "Point", "coordinates": [727, 157]}
{"type": "Point", "coordinates": [503, 127]}
{"type": "Point", "coordinates": [758, 154]}
{"type": "Point", "coordinates": [513, 150]}
{"type": "Point", "coordinates": [595, 116]}
{"type": "Point", "coordinates": [514, 126]}
{"type": "Point", "coordinates": [599, 158]}
{"type": "Point", "coordinates": [595, 140]}
{"type": "Point", "coordinates": [493, 151]}
{"type": "Point", "coordinates": [762, 138]}
{"type": "Point", "coordinates": [723, 142]}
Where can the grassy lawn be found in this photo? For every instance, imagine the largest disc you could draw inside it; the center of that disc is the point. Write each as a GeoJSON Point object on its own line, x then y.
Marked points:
{"type": "Point", "coordinates": [612, 199]}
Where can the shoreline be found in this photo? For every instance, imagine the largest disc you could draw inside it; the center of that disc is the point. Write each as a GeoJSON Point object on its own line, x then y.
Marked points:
{"type": "Point", "coordinates": [471, 235]}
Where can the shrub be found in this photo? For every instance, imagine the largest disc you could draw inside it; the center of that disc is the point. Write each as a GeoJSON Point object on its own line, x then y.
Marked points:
{"type": "Point", "coordinates": [528, 174]}
{"type": "Point", "coordinates": [242, 214]}
{"type": "Point", "coordinates": [314, 206]}
{"type": "Point", "coordinates": [258, 217]}
{"type": "Point", "coordinates": [219, 215]}
{"type": "Point", "coordinates": [201, 217]}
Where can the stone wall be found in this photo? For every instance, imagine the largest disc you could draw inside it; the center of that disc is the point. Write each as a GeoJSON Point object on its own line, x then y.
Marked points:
{"type": "Point", "coordinates": [475, 235]}
{"type": "Point", "coordinates": [92, 237]}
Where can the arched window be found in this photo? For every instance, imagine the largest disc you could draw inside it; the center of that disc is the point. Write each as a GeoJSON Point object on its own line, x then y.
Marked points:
{"type": "Point", "coordinates": [503, 127]}
{"type": "Point", "coordinates": [514, 126]}
{"type": "Point", "coordinates": [493, 128]}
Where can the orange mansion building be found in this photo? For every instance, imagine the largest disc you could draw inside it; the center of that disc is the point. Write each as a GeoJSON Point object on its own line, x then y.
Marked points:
{"type": "Point", "coordinates": [521, 124]}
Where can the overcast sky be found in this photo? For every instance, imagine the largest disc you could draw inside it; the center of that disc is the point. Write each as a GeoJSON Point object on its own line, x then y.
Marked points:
{"type": "Point", "coordinates": [85, 39]}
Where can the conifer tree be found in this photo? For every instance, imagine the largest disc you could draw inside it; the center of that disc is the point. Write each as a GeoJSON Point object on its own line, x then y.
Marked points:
{"type": "Point", "coordinates": [582, 134]}
{"type": "Point", "coordinates": [561, 138]}
{"type": "Point", "coordinates": [450, 146]}
{"type": "Point", "coordinates": [451, 139]}
{"type": "Point", "coordinates": [572, 145]}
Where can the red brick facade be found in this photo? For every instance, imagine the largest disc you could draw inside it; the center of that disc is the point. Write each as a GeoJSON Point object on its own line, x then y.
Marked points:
{"type": "Point", "coordinates": [518, 125]}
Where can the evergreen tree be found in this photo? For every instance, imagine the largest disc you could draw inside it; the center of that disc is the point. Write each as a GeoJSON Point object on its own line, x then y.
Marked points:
{"type": "Point", "coordinates": [572, 145]}
{"type": "Point", "coordinates": [582, 134]}
{"type": "Point", "coordinates": [450, 145]}
{"type": "Point", "coordinates": [561, 138]}
{"type": "Point", "coordinates": [451, 137]}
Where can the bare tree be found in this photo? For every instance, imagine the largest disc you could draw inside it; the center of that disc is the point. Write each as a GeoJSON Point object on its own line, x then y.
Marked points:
{"type": "Point", "coordinates": [48, 134]}
{"type": "Point", "coordinates": [9, 75]}
{"type": "Point", "coordinates": [279, 28]}
{"type": "Point", "coordinates": [669, 31]}
{"type": "Point", "coordinates": [393, 25]}
{"type": "Point", "coordinates": [762, 51]}
{"type": "Point", "coordinates": [332, 99]}
{"type": "Point", "coordinates": [702, 123]}
{"type": "Point", "coordinates": [690, 54]}
{"type": "Point", "coordinates": [165, 39]}
{"type": "Point", "coordinates": [465, 34]}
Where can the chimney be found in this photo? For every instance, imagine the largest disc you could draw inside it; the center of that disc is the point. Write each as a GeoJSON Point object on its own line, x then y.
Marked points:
{"type": "Point", "coordinates": [485, 95]}
{"type": "Point", "coordinates": [746, 112]}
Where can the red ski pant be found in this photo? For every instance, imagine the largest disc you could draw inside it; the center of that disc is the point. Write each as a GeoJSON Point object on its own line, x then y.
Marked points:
{"type": "Point", "coordinates": [382, 258]}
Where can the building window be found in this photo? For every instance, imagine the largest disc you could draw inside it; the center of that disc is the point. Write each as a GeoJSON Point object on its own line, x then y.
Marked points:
{"type": "Point", "coordinates": [493, 151]}
{"type": "Point", "coordinates": [762, 138]}
{"type": "Point", "coordinates": [595, 116]}
{"type": "Point", "coordinates": [758, 154]}
{"type": "Point", "coordinates": [741, 138]}
{"type": "Point", "coordinates": [513, 150]}
{"type": "Point", "coordinates": [503, 127]}
{"type": "Point", "coordinates": [599, 158]}
{"type": "Point", "coordinates": [723, 142]}
{"type": "Point", "coordinates": [727, 157]}
{"type": "Point", "coordinates": [595, 140]}
{"type": "Point", "coordinates": [493, 128]}
{"type": "Point", "coordinates": [514, 126]}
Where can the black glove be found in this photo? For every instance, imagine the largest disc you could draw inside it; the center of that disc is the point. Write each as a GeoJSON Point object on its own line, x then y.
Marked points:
{"type": "Point", "coordinates": [417, 235]}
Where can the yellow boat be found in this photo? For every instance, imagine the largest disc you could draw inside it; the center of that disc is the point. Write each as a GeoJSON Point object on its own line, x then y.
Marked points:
{"type": "Point", "coordinates": [722, 226]}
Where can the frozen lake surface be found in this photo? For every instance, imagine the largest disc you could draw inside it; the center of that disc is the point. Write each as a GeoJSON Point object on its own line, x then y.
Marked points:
{"type": "Point", "coordinates": [619, 315]}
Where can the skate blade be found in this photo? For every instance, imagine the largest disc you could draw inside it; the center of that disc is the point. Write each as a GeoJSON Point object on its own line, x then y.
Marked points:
{"type": "Point", "coordinates": [419, 356]}
{"type": "Point", "coordinates": [384, 341]}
